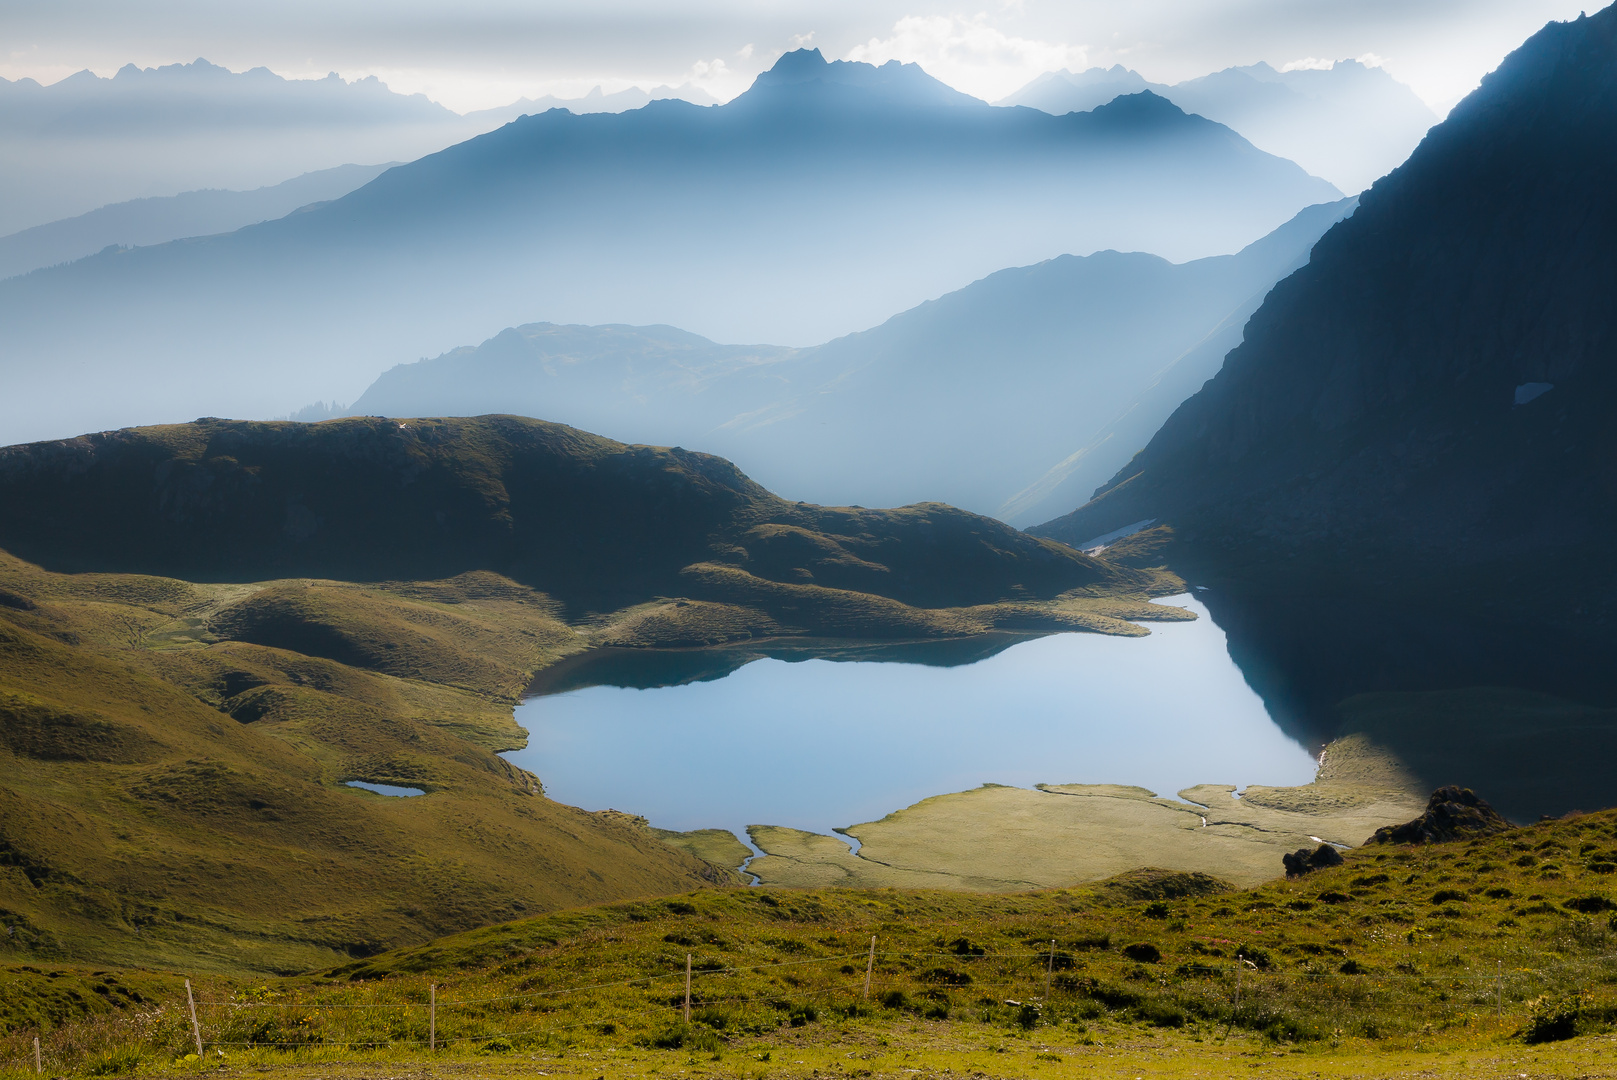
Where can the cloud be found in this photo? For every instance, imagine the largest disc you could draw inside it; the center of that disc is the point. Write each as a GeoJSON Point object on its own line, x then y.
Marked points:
{"type": "Point", "coordinates": [1309, 63]}
{"type": "Point", "coordinates": [969, 54]}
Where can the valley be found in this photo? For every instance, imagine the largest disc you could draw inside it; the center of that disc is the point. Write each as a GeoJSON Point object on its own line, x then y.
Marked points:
{"type": "Point", "coordinates": [1058, 371]}
{"type": "Point", "coordinates": [179, 741]}
{"type": "Point", "coordinates": [1176, 643]}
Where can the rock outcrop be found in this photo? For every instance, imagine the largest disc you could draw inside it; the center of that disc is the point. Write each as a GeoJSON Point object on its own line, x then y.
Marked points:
{"type": "Point", "coordinates": [1452, 813]}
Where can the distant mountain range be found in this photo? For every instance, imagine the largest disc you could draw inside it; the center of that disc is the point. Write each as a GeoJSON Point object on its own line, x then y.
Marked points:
{"type": "Point", "coordinates": [594, 102]}
{"type": "Point", "coordinates": [1016, 396]}
{"type": "Point", "coordinates": [1348, 123]}
{"type": "Point", "coordinates": [192, 213]}
{"type": "Point", "coordinates": [1404, 481]}
{"type": "Point", "coordinates": [85, 142]}
{"type": "Point", "coordinates": [819, 202]}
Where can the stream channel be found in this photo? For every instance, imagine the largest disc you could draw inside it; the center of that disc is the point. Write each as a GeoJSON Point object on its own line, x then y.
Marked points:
{"type": "Point", "coordinates": [818, 744]}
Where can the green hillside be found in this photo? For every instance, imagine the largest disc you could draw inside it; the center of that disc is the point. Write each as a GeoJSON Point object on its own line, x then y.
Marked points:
{"type": "Point", "coordinates": [207, 630]}
{"type": "Point", "coordinates": [1405, 960]}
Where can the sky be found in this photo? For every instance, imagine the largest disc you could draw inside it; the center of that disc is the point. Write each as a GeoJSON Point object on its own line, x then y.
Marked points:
{"type": "Point", "coordinates": [471, 54]}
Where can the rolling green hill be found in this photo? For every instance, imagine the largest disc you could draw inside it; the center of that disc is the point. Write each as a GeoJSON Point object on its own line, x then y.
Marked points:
{"type": "Point", "coordinates": [207, 630]}
{"type": "Point", "coordinates": [588, 520]}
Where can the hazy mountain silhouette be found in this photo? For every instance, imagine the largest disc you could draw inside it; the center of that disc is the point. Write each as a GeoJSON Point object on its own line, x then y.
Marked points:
{"type": "Point", "coordinates": [1014, 396]}
{"type": "Point", "coordinates": [1064, 91]}
{"type": "Point", "coordinates": [820, 201]}
{"type": "Point", "coordinates": [593, 102]}
{"type": "Point", "coordinates": [662, 384]}
{"type": "Point", "coordinates": [1404, 478]}
{"type": "Point", "coordinates": [1349, 123]}
{"type": "Point", "coordinates": [192, 213]}
{"type": "Point", "coordinates": [85, 141]}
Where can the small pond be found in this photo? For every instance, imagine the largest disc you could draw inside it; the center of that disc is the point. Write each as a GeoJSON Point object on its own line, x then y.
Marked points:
{"type": "Point", "coordinates": [386, 789]}
{"type": "Point", "coordinates": [819, 744]}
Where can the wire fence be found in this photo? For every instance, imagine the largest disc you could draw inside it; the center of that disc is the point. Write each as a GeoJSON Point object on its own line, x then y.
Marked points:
{"type": "Point", "coordinates": [1030, 989]}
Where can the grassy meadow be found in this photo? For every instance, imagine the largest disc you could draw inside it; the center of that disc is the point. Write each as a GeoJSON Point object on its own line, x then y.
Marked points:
{"type": "Point", "coordinates": [1475, 957]}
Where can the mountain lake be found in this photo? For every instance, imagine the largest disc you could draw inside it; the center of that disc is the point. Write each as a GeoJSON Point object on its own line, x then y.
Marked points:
{"type": "Point", "coordinates": [818, 744]}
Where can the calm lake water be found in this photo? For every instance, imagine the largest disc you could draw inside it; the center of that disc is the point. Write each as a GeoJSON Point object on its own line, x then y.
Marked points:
{"type": "Point", "coordinates": [819, 744]}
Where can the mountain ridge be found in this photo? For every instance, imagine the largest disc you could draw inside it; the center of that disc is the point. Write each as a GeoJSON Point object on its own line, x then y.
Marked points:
{"type": "Point", "coordinates": [570, 513]}
{"type": "Point", "coordinates": [1348, 122]}
{"type": "Point", "coordinates": [655, 216]}
{"type": "Point", "coordinates": [157, 220]}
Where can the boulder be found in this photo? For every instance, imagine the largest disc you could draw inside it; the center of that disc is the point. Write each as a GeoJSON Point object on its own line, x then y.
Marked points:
{"type": "Point", "coordinates": [1302, 861]}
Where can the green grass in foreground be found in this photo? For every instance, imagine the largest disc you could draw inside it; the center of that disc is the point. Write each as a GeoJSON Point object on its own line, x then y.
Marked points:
{"type": "Point", "coordinates": [1498, 953]}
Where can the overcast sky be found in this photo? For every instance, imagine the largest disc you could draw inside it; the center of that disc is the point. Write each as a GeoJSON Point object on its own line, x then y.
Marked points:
{"type": "Point", "coordinates": [472, 54]}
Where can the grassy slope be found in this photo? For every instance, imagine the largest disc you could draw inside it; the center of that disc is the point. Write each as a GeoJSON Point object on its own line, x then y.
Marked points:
{"type": "Point", "coordinates": [167, 804]}
{"type": "Point", "coordinates": [175, 750]}
{"type": "Point", "coordinates": [1404, 959]}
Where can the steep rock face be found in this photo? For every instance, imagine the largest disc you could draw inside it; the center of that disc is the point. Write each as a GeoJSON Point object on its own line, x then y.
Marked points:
{"type": "Point", "coordinates": [1382, 447]}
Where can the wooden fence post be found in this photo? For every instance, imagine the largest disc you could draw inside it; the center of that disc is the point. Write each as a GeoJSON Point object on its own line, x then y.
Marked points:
{"type": "Point", "coordinates": [432, 1017]}
{"type": "Point", "coordinates": [1049, 967]}
{"type": "Point", "coordinates": [687, 988]}
{"type": "Point", "coordinates": [870, 965]}
{"type": "Point", "coordinates": [39, 1063]}
{"type": "Point", "coordinates": [196, 1028]}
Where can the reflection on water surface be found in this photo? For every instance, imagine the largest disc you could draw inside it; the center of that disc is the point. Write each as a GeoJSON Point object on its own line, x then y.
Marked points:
{"type": "Point", "coordinates": [818, 744]}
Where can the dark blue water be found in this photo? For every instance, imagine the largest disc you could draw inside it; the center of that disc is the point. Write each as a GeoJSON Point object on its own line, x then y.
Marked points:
{"type": "Point", "coordinates": [819, 744]}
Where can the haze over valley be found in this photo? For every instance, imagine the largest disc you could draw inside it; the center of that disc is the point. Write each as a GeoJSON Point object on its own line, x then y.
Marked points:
{"type": "Point", "coordinates": [1007, 545]}
{"type": "Point", "coordinates": [1059, 370]}
{"type": "Point", "coordinates": [668, 214]}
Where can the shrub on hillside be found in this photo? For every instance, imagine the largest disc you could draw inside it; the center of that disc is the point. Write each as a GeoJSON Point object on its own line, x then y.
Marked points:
{"type": "Point", "coordinates": [1552, 1017]}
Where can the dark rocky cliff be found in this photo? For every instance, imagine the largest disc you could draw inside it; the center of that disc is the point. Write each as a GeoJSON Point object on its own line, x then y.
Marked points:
{"type": "Point", "coordinates": [1405, 477]}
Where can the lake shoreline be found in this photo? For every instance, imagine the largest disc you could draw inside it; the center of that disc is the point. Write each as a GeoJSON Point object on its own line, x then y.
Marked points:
{"type": "Point", "coordinates": [712, 741]}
